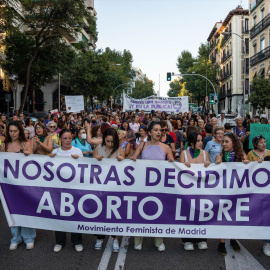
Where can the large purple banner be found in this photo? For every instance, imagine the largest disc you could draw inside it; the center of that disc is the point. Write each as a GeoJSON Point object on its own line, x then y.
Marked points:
{"type": "Point", "coordinates": [136, 198]}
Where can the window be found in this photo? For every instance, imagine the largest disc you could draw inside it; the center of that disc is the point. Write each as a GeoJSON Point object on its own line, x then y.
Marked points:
{"type": "Point", "coordinates": [262, 12]}
{"type": "Point", "coordinates": [254, 19]}
{"type": "Point", "coordinates": [254, 47]}
{"type": "Point", "coordinates": [262, 43]}
{"type": "Point", "coordinates": [246, 25]}
{"type": "Point", "coordinates": [247, 45]}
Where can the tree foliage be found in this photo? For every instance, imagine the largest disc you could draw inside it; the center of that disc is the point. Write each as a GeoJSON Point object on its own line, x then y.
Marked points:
{"type": "Point", "coordinates": [259, 97]}
{"type": "Point", "coordinates": [143, 89]}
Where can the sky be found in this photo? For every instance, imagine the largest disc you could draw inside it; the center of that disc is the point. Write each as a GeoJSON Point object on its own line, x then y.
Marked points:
{"type": "Point", "coordinates": [157, 31]}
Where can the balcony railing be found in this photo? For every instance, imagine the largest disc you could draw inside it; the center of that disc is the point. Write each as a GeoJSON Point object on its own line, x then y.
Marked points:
{"type": "Point", "coordinates": [226, 56]}
{"type": "Point", "coordinates": [212, 46]}
{"type": "Point", "coordinates": [225, 75]}
{"type": "Point", "coordinates": [260, 26]}
{"type": "Point", "coordinates": [254, 4]}
{"type": "Point", "coordinates": [260, 56]}
{"type": "Point", "coordinates": [224, 40]}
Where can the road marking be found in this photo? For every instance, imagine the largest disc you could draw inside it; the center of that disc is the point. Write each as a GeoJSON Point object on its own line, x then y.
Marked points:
{"type": "Point", "coordinates": [122, 254]}
{"type": "Point", "coordinates": [242, 260]}
{"type": "Point", "coordinates": [106, 255]}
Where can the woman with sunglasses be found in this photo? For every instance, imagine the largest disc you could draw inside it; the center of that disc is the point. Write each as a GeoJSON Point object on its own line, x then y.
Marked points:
{"type": "Point", "coordinates": [109, 148]}
{"type": "Point", "coordinates": [51, 126]}
{"type": "Point", "coordinates": [15, 142]}
{"type": "Point", "coordinates": [81, 143]}
{"type": "Point", "coordinates": [67, 150]}
{"type": "Point", "coordinates": [165, 137]}
{"type": "Point", "coordinates": [41, 143]}
{"type": "Point", "coordinates": [194, 155]}
{"type": "Point", "coordinates": [259, 152]}
{"type": "Point", "coordinates": [153, 149]}
{"type": "Point", "coordinates": [232, 152]}
{"type": "Point", "coordinates": [214, 147]}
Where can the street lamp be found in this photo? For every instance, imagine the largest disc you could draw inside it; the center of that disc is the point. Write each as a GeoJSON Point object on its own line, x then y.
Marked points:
{"type": "Point", "coordinates": [244, 92]}
{"type": "Point", "coordinates": [195, 63]}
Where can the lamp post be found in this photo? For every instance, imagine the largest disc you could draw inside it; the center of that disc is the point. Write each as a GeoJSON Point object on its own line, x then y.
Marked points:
{"type": "Point", "coordinates": [244, 92]}
{"type": "Point", "coordinates": [194, 63]}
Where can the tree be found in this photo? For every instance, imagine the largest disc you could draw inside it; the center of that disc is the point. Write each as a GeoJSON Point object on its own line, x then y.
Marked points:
{"type": "Point", "coordinates": [259, 97]}
{"type": "Point", "coordinates": [47, 22]}
{"type": "Point", "coordinates": [143, 89]}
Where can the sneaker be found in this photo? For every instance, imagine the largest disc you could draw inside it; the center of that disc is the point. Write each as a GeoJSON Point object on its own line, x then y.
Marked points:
{"type": "Point", "coordinates": [29, 246]}
{"type": "Point", "coordinates": [222, 249]}
{"type": "Point", "coordinates": [266, 249]}
{"type": "Point", "coordinates": [13, 246]}
{"type": "Point", "coordinates": [79, 248]}
{"type": "Point", "coordinates": [161, 247]}
{"type": "Point", "coordinates": [202, 245]}
{"type": "Point", "coordinates": [235, 246]}
{"type": "Point", "coordinates": [188, 246]}
{"type": "Point", "coordinates": [139, 247]}
{"type": "Point", "coordinates": [57, 248]}
{"type": "Point", "coordinates": [98, 245]}
{"type": "Point", "coordinates": [115, 245]}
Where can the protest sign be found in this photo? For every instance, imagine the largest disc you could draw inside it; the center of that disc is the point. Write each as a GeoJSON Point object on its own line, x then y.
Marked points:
{"type": "Point", "coordinates": [257, 130]}
{"type": "Point", "coordinates": [167, 104]}
{"type": "Point", "coordinates": [142, 198]}
{"type": "Point", "coordinates": [74, 103]}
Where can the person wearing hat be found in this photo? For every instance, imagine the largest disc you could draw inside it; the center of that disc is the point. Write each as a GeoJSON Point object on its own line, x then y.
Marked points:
{"type": "Point", "coordinates": [222, 120]}
{"type": "Point", "coordinates": [51, 126]}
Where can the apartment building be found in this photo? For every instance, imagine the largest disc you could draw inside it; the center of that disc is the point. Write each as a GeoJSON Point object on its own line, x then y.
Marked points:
{"type": "Point", "coordinates": [259, 45]}
{"type": "Point", "coordinates": [47, 97]}
{"type": "Point", "coordinates": [229, 52]}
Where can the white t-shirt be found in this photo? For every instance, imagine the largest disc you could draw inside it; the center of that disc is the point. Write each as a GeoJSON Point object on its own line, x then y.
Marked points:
{"type": "Point", "coordinates": [135, 127]}
{"type": "Point", "coordinates": [67, 153]}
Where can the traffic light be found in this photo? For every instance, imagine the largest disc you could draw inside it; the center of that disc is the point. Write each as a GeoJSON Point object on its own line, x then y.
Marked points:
{"type": "Point", "coordinates": [171, 91]}
{"type": "Point", "coordinates": [45, 102]}
{"type": "Point", "coordinates": [169, 76]}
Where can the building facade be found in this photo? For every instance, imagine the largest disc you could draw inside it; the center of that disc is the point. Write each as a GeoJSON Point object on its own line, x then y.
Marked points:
{"type": "Point", "coordinates": [259, 45]}
{"type": "Point", "coordinates": [229, 52]}
{"type": "Point", "coordinates": [46, 98]}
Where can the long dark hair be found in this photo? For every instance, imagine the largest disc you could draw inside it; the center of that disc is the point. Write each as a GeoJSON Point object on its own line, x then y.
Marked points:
{"type": "Point", "coordinates": [237, 147]}
{"type": "Point", "coordinates": [128, 128]}
{"type": "Point", "coordinates": [150, 127]}
{"type": "Point", "coordinates": [192, 138]}
{"type": "Point", "coordinates": [21, 133]}
{"type": "Point", "coordinates": [111, 132]}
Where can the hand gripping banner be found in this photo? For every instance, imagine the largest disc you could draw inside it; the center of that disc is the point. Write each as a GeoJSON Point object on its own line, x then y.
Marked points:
{"type": "Point", "coordinates": [142, 198]}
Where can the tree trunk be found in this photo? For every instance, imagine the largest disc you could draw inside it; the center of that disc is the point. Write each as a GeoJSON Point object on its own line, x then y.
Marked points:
{"type": "Point", "coordinates": [28, 78]}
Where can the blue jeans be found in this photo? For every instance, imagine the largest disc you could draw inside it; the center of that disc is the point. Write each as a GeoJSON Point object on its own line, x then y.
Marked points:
{"type": "Point", "coordinates": [266, 241]}
{"type": "Point", "coordinates": [20, 234]}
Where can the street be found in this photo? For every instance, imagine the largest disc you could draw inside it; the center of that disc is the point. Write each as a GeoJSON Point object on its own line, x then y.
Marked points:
{"type": "Point", "coordinates": [174, 257]}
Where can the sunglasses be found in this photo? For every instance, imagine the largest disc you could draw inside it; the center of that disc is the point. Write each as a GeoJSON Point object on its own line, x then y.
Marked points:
{"type": "Point", "coordinates": [142, 126]}
{"type": "Point", "coordinates": [164, 130]}
{"type": "Point", "coordinates": [52, 126]}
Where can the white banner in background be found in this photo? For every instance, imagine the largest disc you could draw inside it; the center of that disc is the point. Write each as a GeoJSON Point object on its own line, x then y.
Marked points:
{"type": "Point", "coordinates": [167, 104]}
{"type": "Point", "coordinates": [74, 103]}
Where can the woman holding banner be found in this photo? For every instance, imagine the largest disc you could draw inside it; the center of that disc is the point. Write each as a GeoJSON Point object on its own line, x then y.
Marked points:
{"type": "Point", "coordinates": [194, 154]}
{"type": "Point", "coordinates": [15, 142]}
{"type": "Point", "coordinates": [67, 150]}
{"type": "Point", "coordinates": [109, 148]}
{"type": "Point", "coordinates": [153, 150]}
{"type": "Point", "coordinates": [232, 152]}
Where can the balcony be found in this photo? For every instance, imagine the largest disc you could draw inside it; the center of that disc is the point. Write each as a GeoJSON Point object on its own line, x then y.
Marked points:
{"type": "Point", "coordinates": [226, 56]}
{"type": "Point", "coordinates": [254, 4]}
{"type": "Point", "coordinates": [225, 39]}
{"type": "Point", "coordinates": [225, 75]}
{"type": "Point", "coordinates": [212, 46]}
{"type": "Point", "coordinates": [260, 56]}
{"type": "Point", "coordinates": [256, 29]}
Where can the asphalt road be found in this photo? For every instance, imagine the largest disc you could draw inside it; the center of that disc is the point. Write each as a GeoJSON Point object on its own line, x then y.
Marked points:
{"type": "Point", "coordinates": [175, 257]}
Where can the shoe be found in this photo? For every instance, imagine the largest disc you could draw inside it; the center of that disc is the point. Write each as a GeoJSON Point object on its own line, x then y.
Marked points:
{"type": "Point", "coordinates": [57, 248]}
{"type": "Point", "coordinates": [13, 246]}
{"type": "Point", "coordinates": [139, 247]}
{"type": "Point", "coordinates": [202, 245]}
{"type": "Point", "coordinates": [98, 245]}
{"type": "Point", "coordinates": [115, 245]}
{"type": "Point", "coordinates": [29, 246]}
{"type": "Point", "coordinates": [235, 246]}
{"type": "Point", "coordinates": [188, 246]}
{"type": "Point", "coordinates": [222, 249]}
{"type": "Point", "coordinates": [161, 247]}
{"type": "Point", "coordinates": [266, 249]}
{"type": "Point", "coordinates": [79, 248]}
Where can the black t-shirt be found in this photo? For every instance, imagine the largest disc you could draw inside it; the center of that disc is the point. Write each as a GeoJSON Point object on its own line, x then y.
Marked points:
{"type": "Point", "coordinates": [169, 140]}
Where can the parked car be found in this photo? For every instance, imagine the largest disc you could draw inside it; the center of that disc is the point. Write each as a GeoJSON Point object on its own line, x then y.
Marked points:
{"type": "Point", "coordinates": [230, 117]}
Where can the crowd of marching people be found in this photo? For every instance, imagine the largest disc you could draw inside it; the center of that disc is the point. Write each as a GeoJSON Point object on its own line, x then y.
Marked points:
{"type": "Point", "coordinates": [185, 137]}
